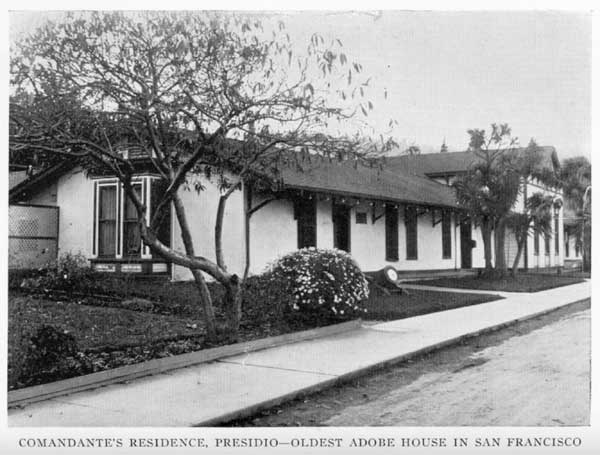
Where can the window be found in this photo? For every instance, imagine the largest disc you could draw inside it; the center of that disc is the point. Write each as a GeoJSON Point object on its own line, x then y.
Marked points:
{"type": "Point", "coordinates": [577, 248]}
{"type": "Point", "coordinates": [410, 222]}
{"type": "Point", "coordinates": [567, 246]}
{"type": "Point", "coordinates": [536, 242]}
{"type": "Point", "coordinates": [361, 217]}
{"type": "Point", "coordinates": [547, 244]}
{"type": "Point", "coordinates": [116, 230]}
{"type": "Point", "coordinates": [391, 233]}
{"type": "Point", "coordinates": [306, 216]}
{"type": "Point", "coordinates": [132, 240]}
{"type": "Point", "coordinates": [446, 235]}
{"type": "Point", "coordinates": [107, 220]}
{"type": "Point", "coordinates": [556, 239]}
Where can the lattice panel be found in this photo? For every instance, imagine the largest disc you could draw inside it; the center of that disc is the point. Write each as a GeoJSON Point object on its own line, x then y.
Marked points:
{"type": "Point", "coordinates": [33, 236]}
{"type": "Point", "coordinates": [32, 221]}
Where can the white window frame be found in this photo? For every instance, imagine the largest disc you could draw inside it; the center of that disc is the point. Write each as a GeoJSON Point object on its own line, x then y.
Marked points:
{"type": "Point", "coordinates": [146, 182]}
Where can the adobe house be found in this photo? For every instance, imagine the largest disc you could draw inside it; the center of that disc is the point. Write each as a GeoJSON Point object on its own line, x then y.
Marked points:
{"type": "Point", "coordinates": [404, 215]}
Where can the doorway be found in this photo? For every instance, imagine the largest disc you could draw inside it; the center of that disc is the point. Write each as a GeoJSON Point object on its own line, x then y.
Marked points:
{"type": "Point", "coordinates": [340, 215]}
{"type": "Point", "coordinates": [466, 245]}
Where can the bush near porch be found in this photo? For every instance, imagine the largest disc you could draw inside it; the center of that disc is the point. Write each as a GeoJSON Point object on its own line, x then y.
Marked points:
{"type": "Point", "coordinates": [523, 282]}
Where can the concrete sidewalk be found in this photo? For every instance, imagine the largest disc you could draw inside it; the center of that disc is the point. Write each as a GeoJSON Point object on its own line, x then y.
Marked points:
{"type": "Point", "coordinates": [238, 386]}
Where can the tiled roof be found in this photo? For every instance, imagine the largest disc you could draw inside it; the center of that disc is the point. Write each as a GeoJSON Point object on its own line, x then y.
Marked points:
{"type": "Point", "coordinates": [364, 182]}
{"type": "Point", "coordinates": [454, 162]}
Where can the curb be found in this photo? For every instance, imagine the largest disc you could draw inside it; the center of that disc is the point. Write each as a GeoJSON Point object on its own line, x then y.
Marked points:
{"type": "Point", "coordinates": [253, 409]}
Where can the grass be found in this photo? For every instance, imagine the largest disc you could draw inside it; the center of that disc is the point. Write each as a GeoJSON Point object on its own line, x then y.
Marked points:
{"type": "Point", "coordinates": [109, 336]}
{"type": "Point", "coordinates": [416, 302]}
{"type": "Point", "coordinates": [523, 282]}
{"type": "Point", "coordinates": [93, 326]}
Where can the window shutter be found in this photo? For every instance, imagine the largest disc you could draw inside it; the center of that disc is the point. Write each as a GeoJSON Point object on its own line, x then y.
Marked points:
{"type": "Point", "coordinates": [410, 223]}
{"type": "Point", "coordinates": [391, 233]}
{"type": "Point", "coordinates": [446, 236]}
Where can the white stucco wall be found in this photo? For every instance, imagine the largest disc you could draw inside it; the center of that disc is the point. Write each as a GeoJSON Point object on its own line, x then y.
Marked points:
{"type": "Point", "coordinates": [75, 198]}
{"type": "Point", "coordinates": [273, 232]}
{"type": "Point", "coordinates": [201, 210]}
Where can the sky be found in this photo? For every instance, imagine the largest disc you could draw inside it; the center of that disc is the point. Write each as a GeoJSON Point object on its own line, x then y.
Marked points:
{"type": "Point", "coordinates": [447, 72]}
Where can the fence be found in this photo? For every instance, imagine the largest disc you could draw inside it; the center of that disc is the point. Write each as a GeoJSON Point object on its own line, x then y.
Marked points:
{"type": "Point", "coordinates": [32, 235]}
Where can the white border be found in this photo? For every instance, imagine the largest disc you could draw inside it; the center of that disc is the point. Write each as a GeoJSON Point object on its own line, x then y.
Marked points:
{"type": "Point", "coordinates": [591, 435]}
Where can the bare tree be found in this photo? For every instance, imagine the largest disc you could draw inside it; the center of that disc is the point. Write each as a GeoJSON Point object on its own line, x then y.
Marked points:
{"type": "Point", "coordinates": [182, 88]}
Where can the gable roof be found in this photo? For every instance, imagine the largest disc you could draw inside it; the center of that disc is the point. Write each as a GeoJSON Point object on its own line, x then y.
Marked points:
{"type": "Point", "coordinates": [30, 186]}
{"type": "Point", "coordinates": [432, 164]}
{"type": "Point", "coordinates": [361, 181]}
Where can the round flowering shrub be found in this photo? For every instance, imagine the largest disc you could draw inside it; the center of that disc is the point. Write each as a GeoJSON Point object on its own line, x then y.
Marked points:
{"type": "Point", "coordinates": [324, 283]}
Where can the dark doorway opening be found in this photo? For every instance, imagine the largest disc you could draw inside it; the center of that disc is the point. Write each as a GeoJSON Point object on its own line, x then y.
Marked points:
{"type": "Point", "coordinates": [340, 215]}
{"type": "Point", "coordinates": [466, 245]}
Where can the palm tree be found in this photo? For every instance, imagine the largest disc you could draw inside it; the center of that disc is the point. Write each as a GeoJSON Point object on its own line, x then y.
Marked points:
{"type": "Point", "coordinates": [576, 179]}
{"type": "Point", "coordinates": [536, 219]}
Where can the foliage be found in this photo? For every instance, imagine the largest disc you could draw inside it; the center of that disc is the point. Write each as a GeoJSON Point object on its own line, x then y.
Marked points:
{"type": "Point", "coordinates": [52, 354]}
{"type": "Point", "coordinates": [69, 272]}
{"type": "Point", "coordinates": [491, 185]}
{"type": "Point", "coordinates": [413, 150]}
{"type": "Point", "coordinates": [322, 282]}
{"type": "Point", "coordinates": [575, 177]}
{"type": "Point", "coordinates": [576, 180]}
{"type": "Point", "coordinates": [536, 219]}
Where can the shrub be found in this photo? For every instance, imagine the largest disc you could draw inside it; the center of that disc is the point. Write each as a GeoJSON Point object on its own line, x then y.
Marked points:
{"type": "Point", "coordinates": [52, 355]}
{"type": "Point", "coordinates": [68, 273]}
{"type": "Point", "coordinates": [264, 299]}
{"type": "Point", "coordinates": [323, 283]}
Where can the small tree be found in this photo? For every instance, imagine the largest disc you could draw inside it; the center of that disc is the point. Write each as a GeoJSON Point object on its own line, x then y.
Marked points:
{"type": "Point", "coordinates": [575, 178]}
{"type": "Point", "coordinates": [491, 185]}
{"type": "Point", "coordinates": [536, 219]}
{"type": "Point", "coordinates": [182, 88]}
{"type": "Point", "coordinates": [412, 150]}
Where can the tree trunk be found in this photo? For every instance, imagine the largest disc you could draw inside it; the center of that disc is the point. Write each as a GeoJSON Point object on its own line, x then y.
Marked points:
{"type": "Point", "coordinates": [233, 301]}
{"type": "Point", "coordinates": [205, 298]}
{"type": "Point", "coordinates": [500, 240]}
{"type": "Point", "coordinates": [233, 297]}
{"type": "Point", "coordinates": [520, 248]}
{"type": "Point", "coordinates": [486, 234]}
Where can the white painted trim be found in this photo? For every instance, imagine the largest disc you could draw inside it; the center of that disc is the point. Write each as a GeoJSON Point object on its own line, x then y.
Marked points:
{"type": "Point", "coordinates": [145, 250]}
{"type": "Point", "coordinates": [96, 197]}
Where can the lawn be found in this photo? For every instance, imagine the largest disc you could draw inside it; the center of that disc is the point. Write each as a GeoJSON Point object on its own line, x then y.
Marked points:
{"type": "Point", "coordinates": [523, 282]}
{"type": "Point", "coordinates": [414, 302]}
{"type": "Point", "coordinates": [109, 336]}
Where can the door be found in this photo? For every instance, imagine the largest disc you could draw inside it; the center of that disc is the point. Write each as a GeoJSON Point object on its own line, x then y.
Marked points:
{"type": "Point", "coordinates": [341, 226]}
{"type": "Point", "coordinates": [466, 245]}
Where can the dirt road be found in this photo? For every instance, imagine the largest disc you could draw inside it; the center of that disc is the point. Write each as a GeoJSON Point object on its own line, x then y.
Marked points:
{"type": "Point", "coordinates": [533, 373]}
